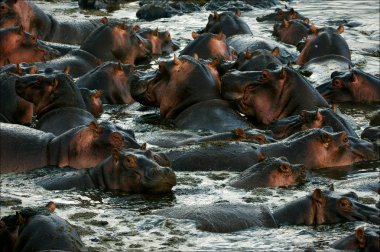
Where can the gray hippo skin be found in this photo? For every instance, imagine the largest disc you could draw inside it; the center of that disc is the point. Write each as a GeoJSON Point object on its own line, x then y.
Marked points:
{"type": "Point", "coordinates": [271, 94]}
{"type": "Point", "coordinates": [364, 240]}
{"type": "Point", "coordinates": [81, 147]}
{"type": "Point", "coordinates": [279, 15]}
{"type": "Point", "coordinates": [228, 23]}
{"type": "Point", "coordinates": [353, 86]}
{"type": "Point", "coordinates": [59, 105]}
{"type": "Point", "coordinates": [32, 230]}
{"type": "Point", "coordinates": [314, 209]}
{"type": "Point", "coordinates": [126, 170]}
{"type": "Point", "coordinates": [271, 172]}
{"type": "Point", "coordinates": [292, 31]}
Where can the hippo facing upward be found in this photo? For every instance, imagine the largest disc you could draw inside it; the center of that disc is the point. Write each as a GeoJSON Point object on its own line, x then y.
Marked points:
{"type": "Point", "coordinates": [124, 170]}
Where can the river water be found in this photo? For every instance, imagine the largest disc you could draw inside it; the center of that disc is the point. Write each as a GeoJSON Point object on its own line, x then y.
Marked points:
{"type": "Point", "coordinates": [109, 221]}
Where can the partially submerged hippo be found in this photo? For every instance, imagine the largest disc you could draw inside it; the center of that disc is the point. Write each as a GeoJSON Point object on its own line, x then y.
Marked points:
{"type": "Point", "coordinates": [292, 31]}
{"type": "Point", "coordinates": [59, 105]}
{"type": "Point", "coordinates": [228, 23]}
{"type": "Point", "coordinates": [271, 94]}
{"type": "Point", "coordinates": [209, 46]}
{"type": "Point", "coordinates": [186, 91]}
{"type": "Point", "coordinates": [92, 100]}
{"type": "Point", "coordinates": [279, 15]}
{"type": "Point", "coordinates": [324, 41]}
{"type": "Point", "coordinates": [353, 85]}
{"type": "Point", "coordinates": [257, 60]}
{"type": "Point", "coordinates": [124, 170]}
{"type": "Point", "coordinates": [311, 119]}
{"type": "Point", "coordinates": [113, 79]}
{"type": "Point", "coordinates": [365, 240]}
{"type": "Point", "coordinates": [18, 46]}
{"type": "Point", "coordinates": [81, 147]}
{"type": "Point", "coordinates": [271, 172]}
{"type": "Point", "coordinates": [44, 26]}
{"type": "Point", "coordinates": [36, 230]}
{"type": "Point", "coordinates": [160, 41]}
{"type": "Point", "coordinates": [320, 207]}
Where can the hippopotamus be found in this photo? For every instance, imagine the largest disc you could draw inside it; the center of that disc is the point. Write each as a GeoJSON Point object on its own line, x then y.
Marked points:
{"type": "Point", "coordinates": [124, 170]}
{"type": "Point", "coordinates": [113, 79]}
{"type": "Point", "coordinates": [82, 147]}
{"type": "Point", "coordinates": [228, 23]}
{"type": "Point", "coordinates": [92, 100]}
{"type": "Point", "coordinates": [324, 41]}
{"type": "Point", "coordinates": [314, 148]}
{"type": "Point", "coordinates": [18, 46]}
{"type": "Point", "coordinates": [271, 172]}
{"type": "Point", "coordinates": [13, 108]}
{"type": "Point", "coordinates": [365, 240]}
{"type": "Point", "coordinates": [161, 41]}
{"type": "Point", "coordinates": [319, 207]}
{"type": "Point", "coordinates": [257, 60]}
{"type": "Point", "coordinates": [209, 46]}
{"type": "Point", "coordinates": [38, 230]}
{"type": "Point", "coordinates": [375, 118]}
{"type": "Point", "coordinates": [270, 95]}
{"type": "Point", "coordinates": [353, 85]}
{"type": "Point", "coordinates": [292, 31]}
{"type": "Point", "coordinates": [311, 119]}
{"type": "Point", "coordinates": [45, 26]}
{"type": "Point", "coordinates": [242, 42]}
{"type": "Point", "coordinates": [186, 92]}
{"type": "Point", "coordinates": [59, 105]}
{"type": "Point", "coordinates": [115, 41]}
{"type": "Point", "coordinates": [279, 15]}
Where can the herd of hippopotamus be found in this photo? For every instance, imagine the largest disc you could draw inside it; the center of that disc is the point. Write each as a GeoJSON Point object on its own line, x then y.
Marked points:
{"type": "Point", "coordinates": [263, 118]}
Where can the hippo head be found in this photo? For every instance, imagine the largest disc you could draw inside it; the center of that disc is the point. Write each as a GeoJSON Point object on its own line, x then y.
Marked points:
{"type": "Point", "coordinates": [365, 240]}
{"type": "Point", "coordinates": [280, 15]}
{"type": "Point", "coordinates": [326, 149]}
{"type": "Point", "coordinates": [161, 42]}
{"type": "Point", "coordinates": [214, 21]}
{"type": "Point", "coordinates": [176, 85]}
{"type": "Point", "coordinates": [325, 207]}
{"type": "Point", "coordinates": [49, 90]}
{"type": "Point", "coordinates": [92, 100]}
{"type": "Point", "coordinates": [257, 60]}
{"type": "Point", "coordinates": [8, 16]}
{"type": "Point", "coordinates": [129, 171]}
{"type": "Point", "coordinates": [351, 86]}
{"type": "Point", "coordinates": [292, 31]}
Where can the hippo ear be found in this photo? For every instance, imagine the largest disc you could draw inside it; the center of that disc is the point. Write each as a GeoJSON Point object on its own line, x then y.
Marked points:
{"type": "Point", "coordinates": [93, 125]}
{"type": "Point", "coordinates": [282, 74]}
{"type": "Point", "coordinates": [353, 78]}
{"type": "Point", "coordinates": [360, 237]}
{"type": "Point", "coordinates": [340, 29]}
{"type": "Point", "coordinates": [98, 93]}
{"type": "Point", "coordinates": [136, 28]}
{"type": "Point", "coordinates": [155, 32]}
{"type": "Point", "coordinates": [167, 35]}
{"type": "Point", "coordinates": [318, 198]}
{"type": "Point", "coordinates": [285, 23]}
{"type": "Point", "coordinates": [194, 35]}
{"type": "Point", "coordinates": [237, 13]}
{"type": "Point", "coordinates": [104, 20]}
{"type": "Point", "coordinates": [265, 74]}
{"type": "Point", "coordinates": [325, 139]}
{"type": "Point", "coordinates": [131, 161]}
{"type": "Point", "coordinates": [216, 15]}
{"type": "Point", "coordinates": [118, 67]}
{"type": "Point", "coordinates": [195, 56]}
{"type": "Point", "coordinates": [220, 36]}
{"type": "Point", "coordinates": [51, 206]}
{"type": "Point", "coordinates": [116, 139]}
{"type": "Point", "coordinates": [214, 63]}
{"type": "Point", "coordinates": [292, 14]}
{"type": "Point", "coordinates": [143, 146]}
{"type": "Point", "coordinates": [261, 157]}
{"type": "Point", "coordinates": [248, 53]}
{"type": "Point", "coordinates": [313, 29]}
{"type": "Point", "coordinates": [66, 70]}
{"type": "Point", "coordinates": [318, 116]}
{"type": "Point", "coordinates": [306, 21]}
{"type": "Point", "coordinates": [276, 52]}
{"type": "Point", "coordinates": [176, 60]}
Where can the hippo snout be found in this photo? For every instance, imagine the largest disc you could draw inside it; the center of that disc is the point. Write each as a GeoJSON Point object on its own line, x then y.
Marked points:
{"type": "Point", "coordinates": [234, 83]}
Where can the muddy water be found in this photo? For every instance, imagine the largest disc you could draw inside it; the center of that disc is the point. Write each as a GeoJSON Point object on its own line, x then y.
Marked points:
{"type": "Point", "coordinates": [109, 221]}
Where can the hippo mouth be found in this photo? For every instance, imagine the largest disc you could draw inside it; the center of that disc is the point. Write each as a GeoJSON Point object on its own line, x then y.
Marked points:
{"type": "Point", "coordinates": [363, 150]}
{"type": "Point", "coordinates": [159, 180]}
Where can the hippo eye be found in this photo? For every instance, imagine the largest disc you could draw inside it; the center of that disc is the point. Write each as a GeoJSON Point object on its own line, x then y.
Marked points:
{"type": "Point", "coordinates": [337, 83]}
{"type": "Point", "coordinates": [131, 161]}
{"type": "Point", "coordinates": [156, 158]}
{"type": "Point", "coordinates": [345, 204]}
{"type": "Point", "coordinates": [345, 139]}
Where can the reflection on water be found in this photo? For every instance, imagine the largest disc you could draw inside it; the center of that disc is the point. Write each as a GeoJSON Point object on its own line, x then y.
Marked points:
{"type": "Point", "coordinates": [116, 222]}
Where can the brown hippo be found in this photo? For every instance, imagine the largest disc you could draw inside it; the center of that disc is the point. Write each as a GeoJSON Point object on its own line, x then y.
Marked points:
{"type": "Point", "coordinates": [124, 170]}
{"type": "Point", "coordinates": [353, 85]}
{"type": "Point", "coordinates": [292, 31]}
{"type": "Point", "coordinates": [113, 79]}
{"type": "Point", "coordinates": [161, 41]}
{"type": "Point", "coordinates": [209, 46]}
{"type": "Point", "coordinates": [310, 119]}
{"type": "Point", "coordinates": [271, 172]}
{"type": "Point", "coordinates": [35, 230]}
{"type": "Point", "coordinates": [18, 46]}
{"type": "Point", "coordinates": [12, 107]}
{"type": "Point", "coordinates": [316, 209]}
{"type": "Point", "coordinates": [279, 15]}
{"type": "Point", "coordinates": [271, 94]}
{"type": "Point", "coordinates": [44, 26]}
{"type": "Point", "coordinates": [92, 100]}
{"type": "Point", "coordinates": [81, 147]}
{"type": "Point", "coordinates": [59, 105]}
{"type": "Point", "coordinates": [257, 60]}
{"type": "Point", "coordinates": [115, 41]}
{"type": "Point", "coordinates": [314, 148]}
{"type": "Point", "coordinates": [365, 240]}
{"type": "Point", "coordinates": [228, 23]}
{"type": "Point", "coordinates": [324, 41]}
{"type": "Point", "coordinates": [186, 91]}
